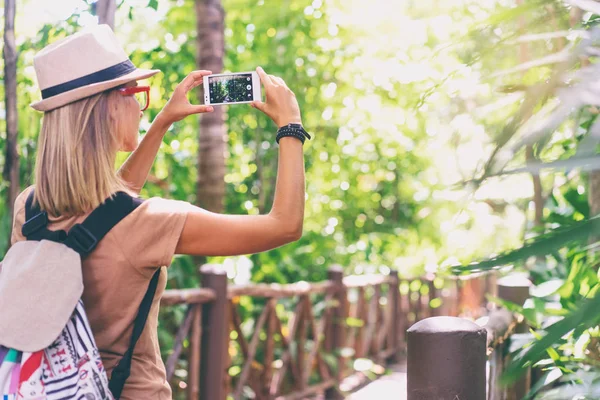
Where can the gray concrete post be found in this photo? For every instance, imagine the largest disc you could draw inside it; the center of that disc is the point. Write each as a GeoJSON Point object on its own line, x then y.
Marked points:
{"type": "Point", "coordinates": [446, 360]}
{"type": "Point", "coordinates": [515, 288]}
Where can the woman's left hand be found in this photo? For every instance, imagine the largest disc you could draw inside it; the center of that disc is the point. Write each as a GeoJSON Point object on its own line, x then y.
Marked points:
{"type": "Point", "coordinates": [178, 107]}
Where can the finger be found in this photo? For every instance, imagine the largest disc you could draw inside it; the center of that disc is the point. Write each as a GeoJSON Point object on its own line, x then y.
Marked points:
{"type": "Point", "coordinates": [199, 109]}
{"type": "Point", "coordinates": [194, 79]}
{"type": "Point", "coordinates": [195, 84]}
{"type": "Point", "coordinates": [278, 80]}
{"type": "Point", "coordinates": [260, 106]}
{"type": "Point", "coordinates": [274, 80]}
{"type": "Point", "coordinates": [264, 78]}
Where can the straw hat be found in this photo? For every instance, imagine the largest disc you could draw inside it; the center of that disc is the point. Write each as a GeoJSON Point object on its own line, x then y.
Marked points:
{"type": "Point", "coordinates": [81, 65]}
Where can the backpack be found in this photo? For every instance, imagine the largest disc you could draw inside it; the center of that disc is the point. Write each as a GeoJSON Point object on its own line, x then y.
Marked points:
{"type": "Point", "coordinates": [47, 349]}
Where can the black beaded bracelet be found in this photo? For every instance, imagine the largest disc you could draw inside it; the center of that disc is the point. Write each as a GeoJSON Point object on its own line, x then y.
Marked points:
{"type": "Point", "coordinates": [292, 130]}
{"type": "Point", "coordinates": [290, 134]}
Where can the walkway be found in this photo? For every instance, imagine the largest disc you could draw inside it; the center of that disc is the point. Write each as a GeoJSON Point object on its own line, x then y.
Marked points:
{"type": "Point", "coordinates": [386, 387]}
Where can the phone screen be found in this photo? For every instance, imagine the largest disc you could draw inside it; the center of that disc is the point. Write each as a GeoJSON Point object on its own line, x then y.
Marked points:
{"type": "Point", "coordinates": [230, 88]}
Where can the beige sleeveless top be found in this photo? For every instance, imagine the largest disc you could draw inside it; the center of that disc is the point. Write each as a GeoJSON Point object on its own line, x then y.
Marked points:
{"type": "Point", "coordinates": [116, 275]}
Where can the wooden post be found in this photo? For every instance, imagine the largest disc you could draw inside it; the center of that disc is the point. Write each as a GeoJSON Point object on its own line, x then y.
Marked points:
{"type": "Point", "coordinates": [336, 275]}
{"type": "Point", "coordinates": [425, 299]}
{"type": "Point", "coordinates": [193, 390]}
{"type": "Point", "coordinates": [301, 344]}
{"type": "Point", "coordinates": [394, 339]}
{"type": "Point", "coordinates": [457, 298]}
{"type": "Point", "coordinates": [267, 375]}
{"type": "Point", "coordinates": [404, 309]}
{"type": "Point", "coordinates": [515, 288]}
{"type": "Point", "coordinates": [433, 295]}
{"type": "Point", "coordinates": [417, 305]}
{"type": "Point", "coordinates": [491, 287]}
{"type": "Point", "coordinates": [446, 359]}
{"type": "Point", "coordinates": [215, 338]}
{"type": "Point", "coordinates": [106, 10]}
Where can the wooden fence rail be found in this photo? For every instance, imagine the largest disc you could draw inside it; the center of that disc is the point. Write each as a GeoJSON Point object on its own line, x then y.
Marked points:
{"type": "Point", "coordinates": [269, 341]}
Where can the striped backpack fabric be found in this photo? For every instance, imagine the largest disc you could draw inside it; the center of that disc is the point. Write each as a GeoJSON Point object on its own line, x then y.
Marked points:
{"type": "Point", "coordinates": [47, 349]}
{"type": "Point", "coordinates": [69, 368]}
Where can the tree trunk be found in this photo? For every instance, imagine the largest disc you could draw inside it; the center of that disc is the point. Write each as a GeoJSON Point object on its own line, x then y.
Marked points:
{"type": "Point", "coordinates": [11, 166]}
{"type": "Point", "coordinates": [105, 10]}
{"type": "Point", "coordinates": [211, 152]}
{"type": "Point", "coordinates": [538, 197]}
{"type": "Point", "coordinates": [593, 176]}
{"type": "Point", "coordinates": [594, 193]}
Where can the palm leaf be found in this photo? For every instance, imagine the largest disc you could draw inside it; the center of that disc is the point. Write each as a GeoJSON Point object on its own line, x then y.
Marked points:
{"type": "Point", "coordinates": [586, 5]}
{"type": "Point", "coordinates": [584, 92]}
{"type": "Point", "coordinates": [555, 58]}
{"type": "Point", "coordinates": [512, 13]}
{"type": "Point", "coordinates": [585, 163]}
{"type": "Point", "coordinates": [583, 317]}
{"type": "Point", "coordinates": [532, 37]}
{"type": "Point", "coordinates": [541, 245]}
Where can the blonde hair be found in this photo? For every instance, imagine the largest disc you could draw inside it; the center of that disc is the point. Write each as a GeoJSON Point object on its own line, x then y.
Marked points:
{"type": "Point", "coordinates": [77, 148]}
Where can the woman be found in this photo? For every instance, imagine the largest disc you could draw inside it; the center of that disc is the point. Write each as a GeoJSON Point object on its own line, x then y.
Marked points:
{"type": "Point", "coordinates": [88, 86]}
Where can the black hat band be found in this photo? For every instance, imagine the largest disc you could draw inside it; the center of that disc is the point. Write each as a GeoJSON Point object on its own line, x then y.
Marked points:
{"type": "Point", "coordinates": [103, 75]}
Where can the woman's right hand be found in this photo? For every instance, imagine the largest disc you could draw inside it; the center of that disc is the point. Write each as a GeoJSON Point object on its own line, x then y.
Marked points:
{"type": "Point", "coordinates": [178, 107]}
{"type": "Point", "coordinates": [280, 102]}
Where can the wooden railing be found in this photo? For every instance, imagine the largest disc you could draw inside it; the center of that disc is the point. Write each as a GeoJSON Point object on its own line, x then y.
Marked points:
{"type": "Point", "coordinates": [193, 299]}
{"type": "Point", "coordinates": [268, 341]}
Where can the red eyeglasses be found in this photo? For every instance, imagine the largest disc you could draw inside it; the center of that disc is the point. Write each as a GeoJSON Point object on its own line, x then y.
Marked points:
{"type": "Point", "coordinates": [141, 93]}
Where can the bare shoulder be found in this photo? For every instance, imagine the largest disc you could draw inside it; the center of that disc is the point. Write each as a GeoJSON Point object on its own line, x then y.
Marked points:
{"type": "Point", "coordinates": [22, 198]}
{"type": "Point", "coordinates": [19, 215]}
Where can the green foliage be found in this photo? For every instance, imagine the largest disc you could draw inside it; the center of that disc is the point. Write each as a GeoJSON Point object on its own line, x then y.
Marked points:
{"type": "Point", "coordinates": [557, 119]}
{"type": "Point", "coordinates": [153, 4]}
{"type": "Point", "coordinates": [400, 113]}
{"type": "Point", "coordinates": [364, 167]}
{"type": "Point", "coordinates": [541, 245]}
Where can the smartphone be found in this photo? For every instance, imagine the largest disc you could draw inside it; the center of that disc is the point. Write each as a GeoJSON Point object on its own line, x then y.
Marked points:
{"type": "Point", "coordinates": [234, 88]}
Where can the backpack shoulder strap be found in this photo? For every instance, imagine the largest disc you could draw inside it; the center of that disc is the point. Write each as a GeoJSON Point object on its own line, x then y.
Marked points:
{"type": "Point", "coordinates": [83, 237]}
{"type": "Point", "coordinates": [36, 221]}
{"type": "Point", "coordinates": [122, 370]}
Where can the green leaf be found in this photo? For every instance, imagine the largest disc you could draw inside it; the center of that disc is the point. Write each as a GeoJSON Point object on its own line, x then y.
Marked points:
{"type": "Point", "coordinates": [546, 380]}
{"type": "Point", "coordinates": [585, 163]}
{"type": "Point", "coordinates": [153, 4]}
{"type": "Point", "coordinates": [541, 245]}
{"type": "Point", "coordinates": [547, 288]}
{"type": "Point", "coordinates": [578, 202]}
{"type": "Point", "coordinates": [511, 13]}
{"type": "Point", "coordinates": [584, 316]}
{"type": "Point", "coordinates": [509, 305]}
{"type": "Point", "coordinates": [354, 322]}
{"type": "Point", "coordinates": [331, 360]}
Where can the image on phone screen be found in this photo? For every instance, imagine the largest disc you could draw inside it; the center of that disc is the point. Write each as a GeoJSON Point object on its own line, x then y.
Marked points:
{"type": "Point", "coordinates": [230, 88]}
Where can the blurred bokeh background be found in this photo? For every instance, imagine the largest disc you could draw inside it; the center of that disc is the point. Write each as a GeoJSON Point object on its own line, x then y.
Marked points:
{"type": "Point", "coordinates": [445, 133]}
{"type": "Point", "coordinates": [399, 95]}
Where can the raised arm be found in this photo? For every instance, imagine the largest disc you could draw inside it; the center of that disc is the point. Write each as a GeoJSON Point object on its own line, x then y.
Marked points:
{"type": "Point", "coordinates": [135, 169]}
{"type": "Point", "coordinates": [211, 234]}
